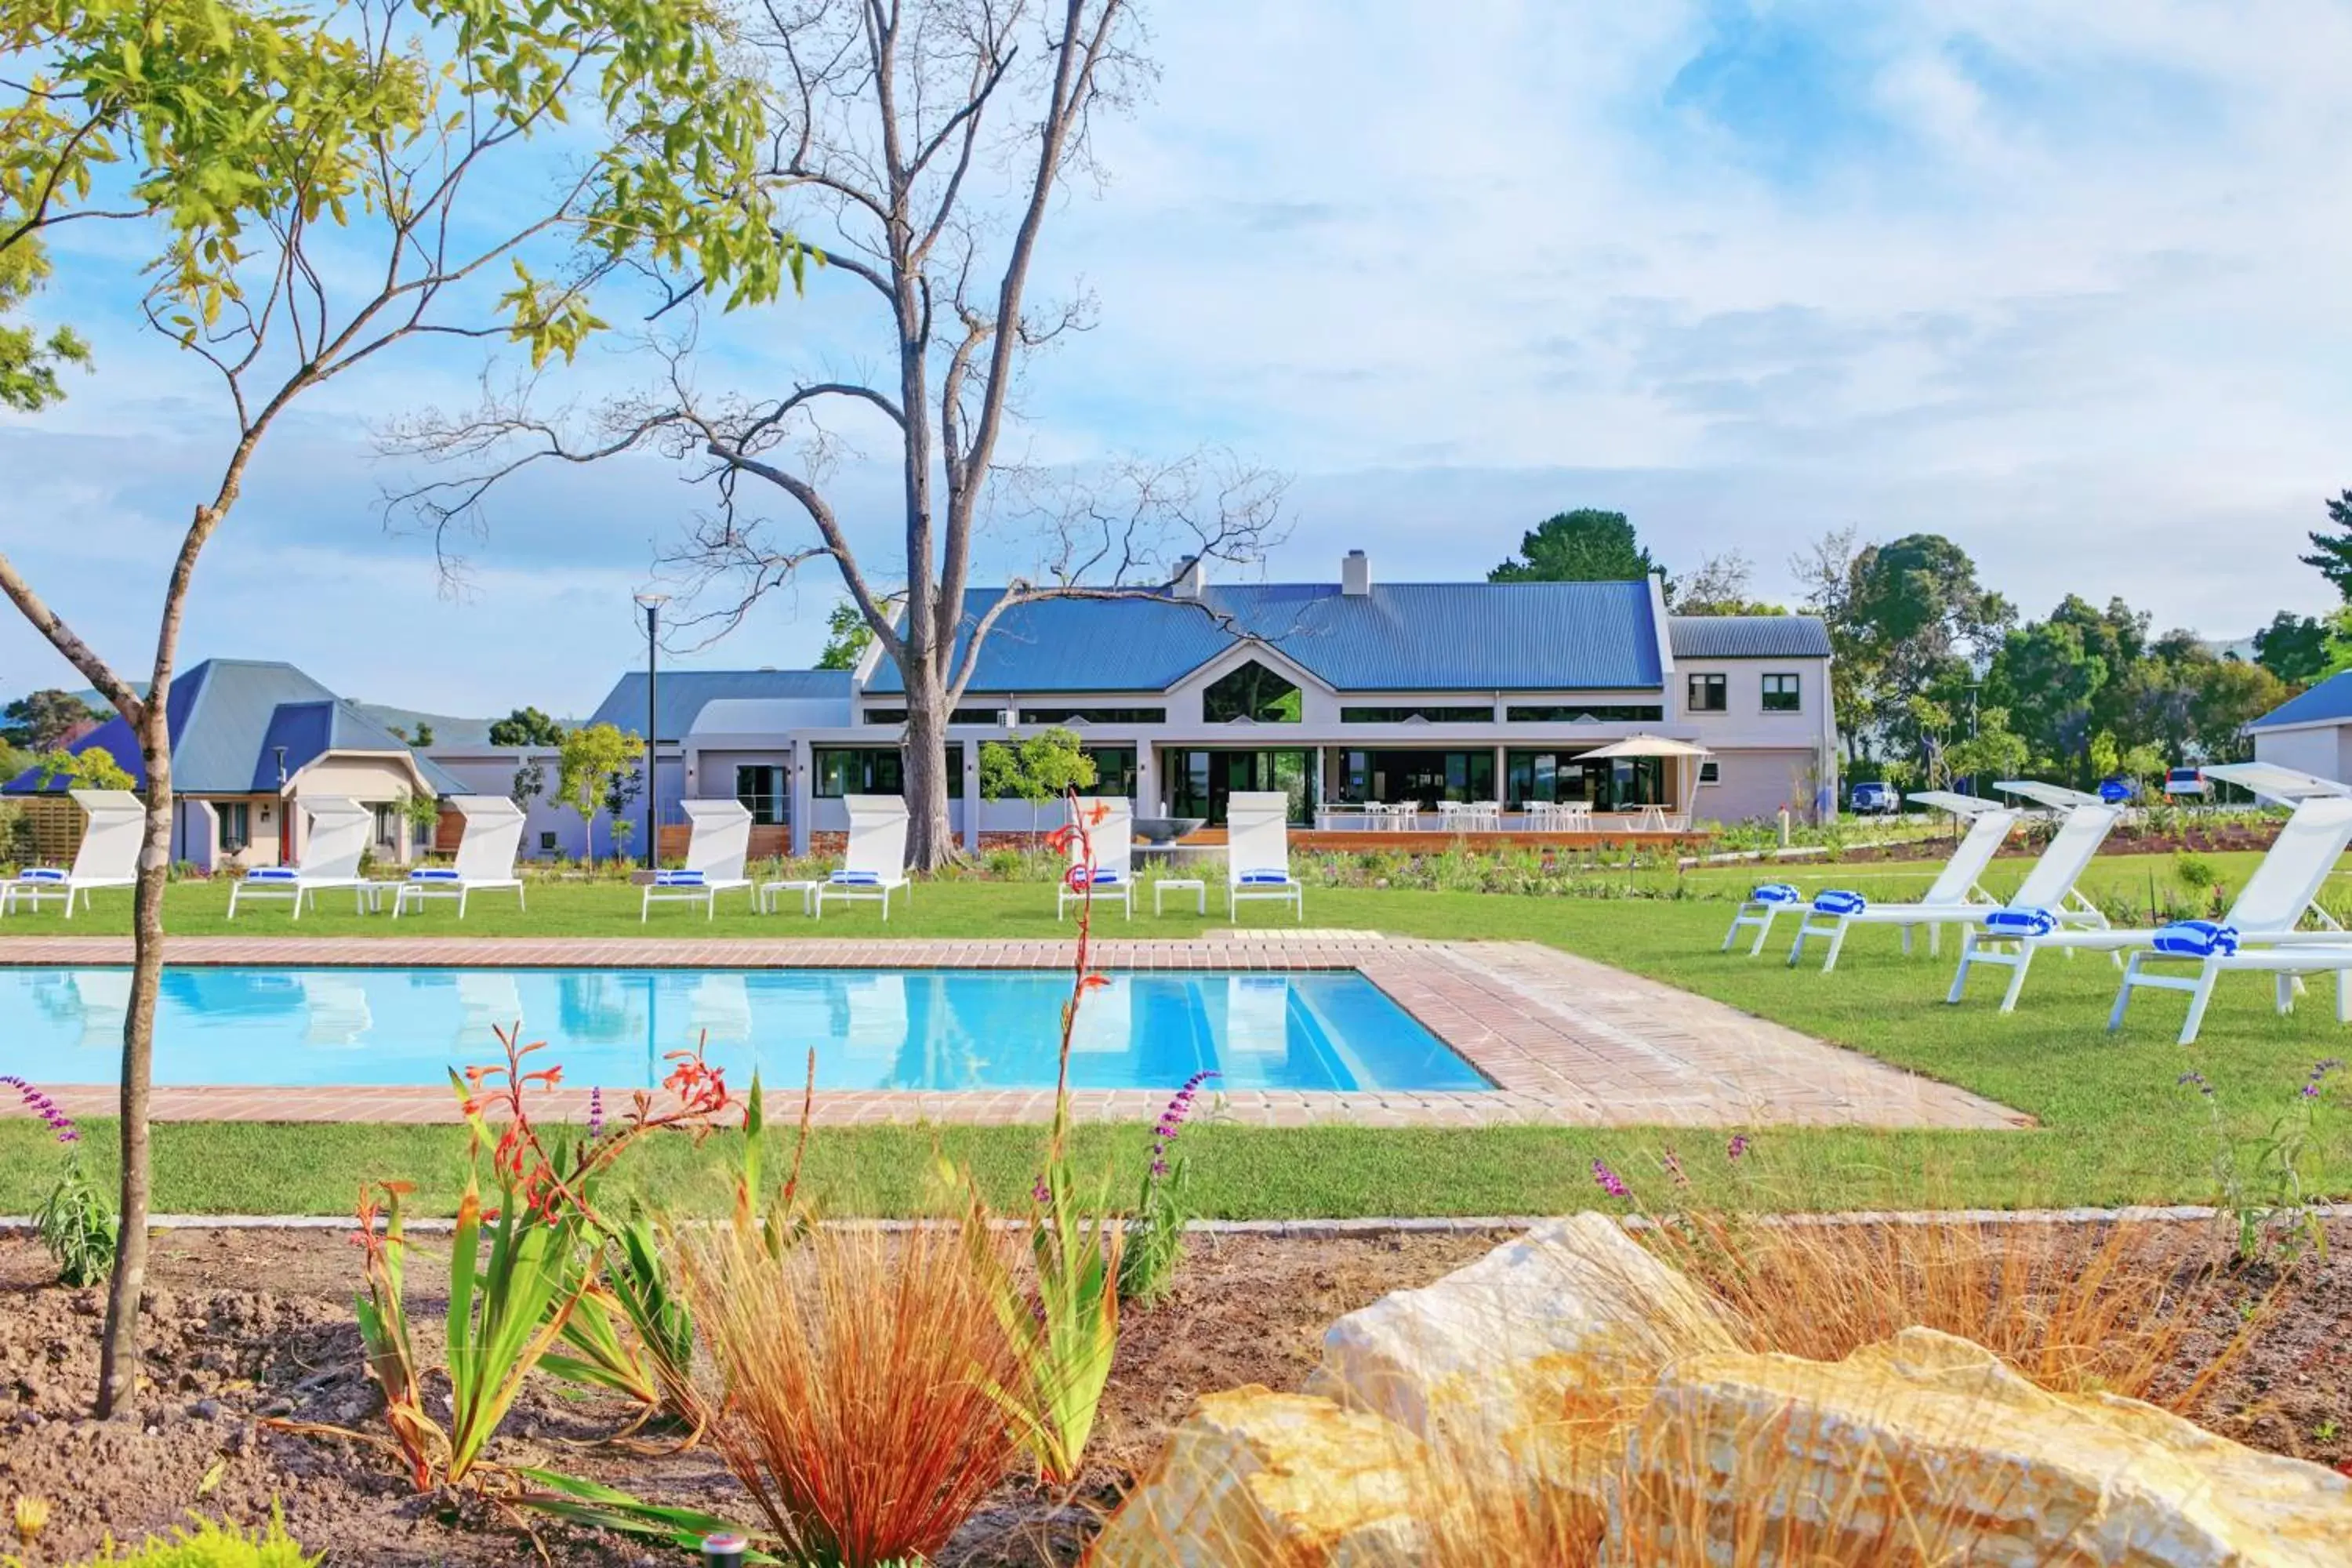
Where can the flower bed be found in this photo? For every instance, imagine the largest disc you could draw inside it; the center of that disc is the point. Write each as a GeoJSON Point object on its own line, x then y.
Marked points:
{"type": "Point", "coordinates": [223, 1353]}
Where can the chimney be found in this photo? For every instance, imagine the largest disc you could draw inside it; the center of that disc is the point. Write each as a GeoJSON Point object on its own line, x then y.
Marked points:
{"type": "Point", "coordinates": [1192, 577]}
{"type": "Point", "coordinates": [1355, 575]}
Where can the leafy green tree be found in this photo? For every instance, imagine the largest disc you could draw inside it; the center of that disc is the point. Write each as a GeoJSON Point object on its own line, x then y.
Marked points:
{"type": "Point", "coordinates": [1906, 618]}
{"type": "Point", "coordinates": [92, 767]}
{"type": "Point", "coordinates": [1035, 768]}
{"type": "Point", "coordinates": [45, 719]}
{"type": "Point", "coordinates": [526, 727]}
{"type": "Point", "coordinates": [589, 764]}
{"type": "Point", "coordinates": [28, 360]}
{"type": "Point", "coordinates": [847, 636]}
{"type": "Point", "coordinates": [1992, 752]}
{"type": "Point", "coordinates": [2227, 696]}
{"type": "Point", "coordinates": [1580, 546]}
{"type": "Point", "coordinates": [305, 188]}
{"type": "Point", "coordinates": [2331, 548]}
{"type": "Point", "coordinates": [2294, 648]}
{"type": "Point", "coordinates": [422, 812]}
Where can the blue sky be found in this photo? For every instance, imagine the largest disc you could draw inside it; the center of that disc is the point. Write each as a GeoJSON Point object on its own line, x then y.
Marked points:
{"type": "Point", "coordinates": [2061, 281]}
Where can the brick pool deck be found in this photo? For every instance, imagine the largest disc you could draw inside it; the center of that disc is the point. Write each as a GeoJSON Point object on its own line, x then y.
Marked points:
{"type": "Point", "coordinates": [1564, 1041]}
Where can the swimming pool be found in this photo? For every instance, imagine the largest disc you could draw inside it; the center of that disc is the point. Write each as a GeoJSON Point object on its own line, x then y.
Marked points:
{"type": "Point", "coordinates": [874, 1029]}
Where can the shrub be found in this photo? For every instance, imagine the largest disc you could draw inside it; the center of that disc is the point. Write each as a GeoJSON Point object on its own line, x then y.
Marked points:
{"type": "Point", "coordinates": [855, 1371]}
{"type": "Point", "coordinates": [208, 1545]}
{"type": "Point", "coordinates": [77, 1226]}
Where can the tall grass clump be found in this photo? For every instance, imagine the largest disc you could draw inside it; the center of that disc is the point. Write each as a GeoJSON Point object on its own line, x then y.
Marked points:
{"type": "Point", "coordinates": [854, 1370]}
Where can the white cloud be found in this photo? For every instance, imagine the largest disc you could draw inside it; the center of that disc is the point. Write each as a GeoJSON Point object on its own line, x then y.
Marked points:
{"type": "Point", "coordinates": [2059, 280]}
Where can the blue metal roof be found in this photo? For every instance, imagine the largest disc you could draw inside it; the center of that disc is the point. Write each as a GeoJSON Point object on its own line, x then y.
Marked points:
{"type": "Point", "coordinates": [2330, 702]}
{"type": "Point", "coordinates": [1403, 636]}
{"type": "Point", "coordinates": [227, 717]}
{"type": "Point", "coordinates": [1748, 637]}
{"type": "Point", "coordinates": [681, 694]}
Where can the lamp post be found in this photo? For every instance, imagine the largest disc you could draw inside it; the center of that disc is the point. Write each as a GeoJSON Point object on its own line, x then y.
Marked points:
{"type": "Point", "coordinates": [651, 604]}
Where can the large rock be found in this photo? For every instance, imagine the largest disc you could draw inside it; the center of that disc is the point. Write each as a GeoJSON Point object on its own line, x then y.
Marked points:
{"type": "Point", "coordinates": [1271, 1480]}
{"type": "Point", "coordinates": [1566, 1324]}
{"type": "Point", "coordinates": [1932, 1442]}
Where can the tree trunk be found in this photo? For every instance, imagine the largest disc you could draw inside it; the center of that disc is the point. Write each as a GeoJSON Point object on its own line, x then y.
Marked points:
{"type": "Point", "coordinates": [118, 1360]}
{"type": "Point", "coordinates": [923, 762]}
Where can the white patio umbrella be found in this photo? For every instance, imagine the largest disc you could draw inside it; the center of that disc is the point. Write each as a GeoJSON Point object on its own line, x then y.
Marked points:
{"type": "Point", "coordinates": [1657, 746]}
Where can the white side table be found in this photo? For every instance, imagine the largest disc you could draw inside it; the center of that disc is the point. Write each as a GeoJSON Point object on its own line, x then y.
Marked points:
{"type": "Point", "coordinates": [1196, 886]}
{"type": "Point", "coordinates": [770, 895]}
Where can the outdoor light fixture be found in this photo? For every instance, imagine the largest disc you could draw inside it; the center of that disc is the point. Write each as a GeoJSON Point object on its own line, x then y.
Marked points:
{"type": "Point", "coordinates": [651, 604]}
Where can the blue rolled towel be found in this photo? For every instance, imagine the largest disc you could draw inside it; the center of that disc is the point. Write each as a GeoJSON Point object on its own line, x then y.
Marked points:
{"type": "Point", "coordinates": [2021, 922]}
{"type": "Point", "coordinates": [1838, 901]}
{"type": "Point", "coordinates": [856, 878]}
{"type": "Point", "coordinates": [1266, 877]}
{"type": "Point", "coordinates": [2197, 939]}
{"type": "Point", "coordinates": [273, 874]}
{"type": "Point", "coordinates": [434, 874]}
{"type": "Point", "coordinates": [1107, 878]}
{"type": "Point", "coordinates": [42, 874]}
{"type": "Point", "coordinates": [677, 878]}
{"type": "Point", "coordinates": [1776, 893]}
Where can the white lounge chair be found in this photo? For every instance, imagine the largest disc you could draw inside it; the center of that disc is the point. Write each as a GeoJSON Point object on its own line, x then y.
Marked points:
{"type": "Point", "coordinates": [108, 856]}
{"type": "Point", "coordinates": [1770, 901]}
{"type": "Point", "coordinates": [2268, 911]}
{"type": "Point", "coordinates": [1112, 835]}
{"type": "Point", "coordinates": [1954, 898]}
{"type": "Point", "coordinates": [876, 864]}
{"type": "Point", "coordinates": [339, 831]}
{"type": "Point", "coordinates": [715, 852]}
{"type": "Point", "coordinates": [485, 858]}
{"type": "Point", "coordinates": [1257, 851]}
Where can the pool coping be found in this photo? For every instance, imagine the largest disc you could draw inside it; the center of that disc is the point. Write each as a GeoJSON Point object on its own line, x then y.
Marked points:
{"type": "Point", "coordinates": [1563, 1040]}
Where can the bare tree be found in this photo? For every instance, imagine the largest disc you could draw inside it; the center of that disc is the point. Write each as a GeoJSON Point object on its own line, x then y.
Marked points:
{"type": "Point", "coordinates": [362, 200]}
{"type": "Point", "coordinates": [921, 145]}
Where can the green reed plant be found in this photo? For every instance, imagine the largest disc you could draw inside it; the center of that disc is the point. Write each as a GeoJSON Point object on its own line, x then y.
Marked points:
{"type": "Point", "coordinates": [1155, 1238]}
{"type": "Point", "coordinates": [518, 1271]}
{"type": "Point", "coordinates": [2262, 1186]}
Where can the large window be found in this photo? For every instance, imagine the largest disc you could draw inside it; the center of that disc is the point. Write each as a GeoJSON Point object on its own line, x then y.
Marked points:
{"type": "Point", "coordinates": [1113, 769]}
{"type": "Point", "coordinates": [1252, 692]}
{"type": "Point", "coordinates": [1609, 784]}
{"type": "Point", "coordinates": [1199, 782]}
{"type": "Point", "coordinates": [1709, 693]}
{"type": "Point", "coordinates": [236, 825]}
{"type": "Point", "coordinates": [1395, 778]}
{"type": "Point", "coordinates": [1781, 694]}
{"type": "Point", "coordinates": [872, 770]}
{"type": "Point", "coordinates": [1093, 715]}
{"type": "Point", "coordinates": [1579, 713]}
{"type": "Point", "coordinates": [762, 789]}
{"type": "Point", "coordinates": [1484, 713]}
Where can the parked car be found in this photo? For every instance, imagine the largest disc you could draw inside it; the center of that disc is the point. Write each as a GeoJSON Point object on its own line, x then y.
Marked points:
{"type": "Point", "coordinates": [1875, 799]}
{"type": "Point", "coordinates": [2117, 790]}
{"type": "Point", "coordinates": [2187, 781]}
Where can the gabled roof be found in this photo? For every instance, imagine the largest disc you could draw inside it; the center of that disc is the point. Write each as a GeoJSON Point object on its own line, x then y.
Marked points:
{"type": "Point", "coordinates": [2328, 702]}
{"type": "Point", "coordinates": [1748, 637]}
{"type": "Point", "coordinates": [227, 716]}
{"type": "Point", "coordinates": [681, 694]}
{"type": "Point", "coordinates": [1402, 636]}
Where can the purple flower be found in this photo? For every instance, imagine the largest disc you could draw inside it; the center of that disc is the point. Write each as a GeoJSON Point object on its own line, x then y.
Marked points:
{"type": "Point", "coordinates": [2311, 1090]}
{"type": "Point", "coordinates": [595, 1113]}
{"type": "Point", "coordinates": [1674, 1165]}
{"type": "Point", "coordinates": [1738, 1145]}
{"type": "Point", "coordinates": [1607, 1179]}
{"type": "Point", "coordinates": [1159, 1166]}
{"type": "Point", "coordinates": [1040, 1192]}
{"type": "Point", "coordinates": [2192, 1076]}
{"type": "Point", "coordinates": [42, 1106]}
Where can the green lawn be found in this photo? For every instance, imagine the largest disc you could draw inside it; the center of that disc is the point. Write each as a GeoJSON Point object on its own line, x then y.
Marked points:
{"type": "Point", "coordinates": [2115, 1126]}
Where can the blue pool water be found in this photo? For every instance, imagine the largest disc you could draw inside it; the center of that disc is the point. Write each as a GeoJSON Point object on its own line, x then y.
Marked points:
{"type": "Point", "coordinates": [903, 1029]}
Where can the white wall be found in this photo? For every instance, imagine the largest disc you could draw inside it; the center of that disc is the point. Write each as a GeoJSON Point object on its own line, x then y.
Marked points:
{"type": "Point", "coordinates": [2325, 750]}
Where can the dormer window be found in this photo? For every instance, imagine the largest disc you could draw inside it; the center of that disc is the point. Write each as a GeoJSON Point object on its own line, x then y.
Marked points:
{"type": "Point", "coordinates": [1254, 694]}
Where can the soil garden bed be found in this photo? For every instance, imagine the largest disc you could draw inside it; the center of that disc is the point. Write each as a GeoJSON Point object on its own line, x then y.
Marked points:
{"type": "Point", "coordinates": [246, 1324]}
{"type": "Point", "coordinates": [2129, 838]}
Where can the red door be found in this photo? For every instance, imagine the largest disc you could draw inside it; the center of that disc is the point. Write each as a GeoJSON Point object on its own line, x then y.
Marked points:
{"type": "Point", "coordinates": [285, 831]}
